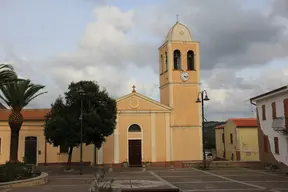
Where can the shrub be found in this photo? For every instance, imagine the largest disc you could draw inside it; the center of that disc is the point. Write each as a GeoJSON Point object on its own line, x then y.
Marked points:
{"type": "Point", "coordinates": [17, 171]}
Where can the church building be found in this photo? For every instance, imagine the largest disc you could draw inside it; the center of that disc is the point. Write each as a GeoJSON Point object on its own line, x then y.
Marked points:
{"type": "Point", "coordinates": [159, 133]}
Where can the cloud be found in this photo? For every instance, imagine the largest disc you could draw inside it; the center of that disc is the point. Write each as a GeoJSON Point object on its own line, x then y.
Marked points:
{"type": "Point", "coordinates": [120, 48]}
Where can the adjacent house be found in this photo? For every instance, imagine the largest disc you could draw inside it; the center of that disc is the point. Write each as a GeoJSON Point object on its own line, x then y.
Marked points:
{"type": "Point", "coordinates": [272, 112]}
{"type": "Point", "coordinates": [236, 140]}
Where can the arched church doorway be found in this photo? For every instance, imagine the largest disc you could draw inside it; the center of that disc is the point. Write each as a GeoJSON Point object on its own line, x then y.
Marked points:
{"type": "Point", "coordinates": [134, 145]}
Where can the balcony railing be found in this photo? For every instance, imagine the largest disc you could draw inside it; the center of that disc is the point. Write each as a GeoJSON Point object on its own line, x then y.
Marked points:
{"type": "Point", "coordinates": [279, 124]}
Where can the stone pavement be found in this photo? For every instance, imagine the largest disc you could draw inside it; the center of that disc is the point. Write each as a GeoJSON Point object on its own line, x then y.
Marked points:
{"type": "Point", "coordinates": [188, 180]}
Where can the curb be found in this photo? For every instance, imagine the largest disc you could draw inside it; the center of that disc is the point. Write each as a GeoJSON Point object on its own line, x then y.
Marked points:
{"type": "Point", "coordinates": [39, 180]}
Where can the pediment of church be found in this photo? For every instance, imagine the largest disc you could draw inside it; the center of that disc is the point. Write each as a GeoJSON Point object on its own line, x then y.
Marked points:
{"type": "Point", "coordinates": [139, 102]}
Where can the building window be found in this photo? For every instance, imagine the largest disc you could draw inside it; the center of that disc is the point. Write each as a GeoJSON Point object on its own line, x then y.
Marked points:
{"type": "Point", "coordinates": [162, 64]}
{"type": "Point", "coordinates": [276, 145]}
{"type": "Point", "coordinates": [232, 156]}
{"type": "Point", "coordinates": [263, 112]}
{"type": "Point", "coordinates": [223, 138]}
{"type": "Point", "coordinates": [177, 60]}
{"type": "Point", "coordinates": [64, 148]}
{"type": "Point", "coordinates": [266, 141]}
{"type": "Point", "coordinates": [190, 60]}
{"type": "Point", "coordinates": [134, 128]}
{"type": "Point", "coordinates": [285, 103]}
{"type": "Point", "coordinates": [274, 116]}
{"type": "Point", "coordinates": [231, 138]}
{"type": "Point", "coordinates": [166, 62]}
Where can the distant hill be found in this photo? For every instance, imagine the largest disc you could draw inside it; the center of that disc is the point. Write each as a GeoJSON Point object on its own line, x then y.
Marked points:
{"type": "Point", "coordinates": [209, 133]}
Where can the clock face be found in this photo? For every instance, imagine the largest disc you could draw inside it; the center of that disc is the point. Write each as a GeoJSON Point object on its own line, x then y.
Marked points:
{"type": "Point", "coordinates": [184, 76]}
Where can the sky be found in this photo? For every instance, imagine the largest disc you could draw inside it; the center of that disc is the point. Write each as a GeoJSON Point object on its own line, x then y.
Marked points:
{"type": "Point", "coordinates": [243, 46]}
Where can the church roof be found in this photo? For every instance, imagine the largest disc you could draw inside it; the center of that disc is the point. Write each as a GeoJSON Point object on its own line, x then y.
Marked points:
{"type": "Point", "coordinates": [179, 32]}
{"type": "Point", "coordinates": [135, 94]}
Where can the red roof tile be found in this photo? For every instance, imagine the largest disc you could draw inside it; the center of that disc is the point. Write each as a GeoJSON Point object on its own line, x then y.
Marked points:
{"type": "Point", "coordinates": [245, 122]}
{"type": "Point", "coordinates": [220, 126]}
{"type": "Point", "coordinates": [28, 114]}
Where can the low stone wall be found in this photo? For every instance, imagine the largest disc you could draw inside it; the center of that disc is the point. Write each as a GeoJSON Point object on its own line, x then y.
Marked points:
{"type": "Point", "coordinates": [41, 179]}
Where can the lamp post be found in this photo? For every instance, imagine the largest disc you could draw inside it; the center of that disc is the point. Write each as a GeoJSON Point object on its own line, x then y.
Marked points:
{"type": "Point", "coordinates": [81, 93]}
{"type": "Point", "coordinates": [203, 119]}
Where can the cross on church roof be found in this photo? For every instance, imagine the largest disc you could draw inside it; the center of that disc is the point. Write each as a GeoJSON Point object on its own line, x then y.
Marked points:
{"type": "Point", "coordinates": [177, 17]}
{"type": "Point", "coordinates": [133, 89]}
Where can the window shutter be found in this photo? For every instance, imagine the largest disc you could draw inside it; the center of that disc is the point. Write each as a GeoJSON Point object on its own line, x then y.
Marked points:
{"type": "Point", "coordinates": [276, 145]}
{"type": "Point", "coordinates": [274, 110]}
{"type": "Point", "coordinates": [265, 140]}
{"type": "Point", "coordinates": [285, 103]}
{"type": "Point", "coordinates": [263, 112]}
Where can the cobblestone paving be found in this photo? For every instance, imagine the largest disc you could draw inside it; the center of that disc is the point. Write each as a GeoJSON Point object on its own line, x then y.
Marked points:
{"type": "Point", "coordinates": [188, 180]}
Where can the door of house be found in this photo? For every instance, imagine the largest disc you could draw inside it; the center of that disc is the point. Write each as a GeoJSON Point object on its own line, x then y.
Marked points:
{"type": "Point", "coordinates": [31, 150]}
{"type": "Point", "coordinates": [135, 153]}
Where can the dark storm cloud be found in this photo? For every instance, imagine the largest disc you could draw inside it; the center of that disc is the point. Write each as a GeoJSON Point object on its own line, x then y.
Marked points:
{"type": "Point", "coordinates": [227, 32]}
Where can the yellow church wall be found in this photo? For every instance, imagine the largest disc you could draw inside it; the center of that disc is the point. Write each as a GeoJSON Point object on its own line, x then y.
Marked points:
{"type": "Point", "coordinates": [187, 144]}
{"type": "Point", "coordinates": [137, 103]}
{"type": "Point", "coordinates": [164, 92]}
{"type": "Point", "coordinates": [184, 112]}
{"type": "Point", "coordinates": [143, 121]}
{"type": "Point", "coordinates": [160, 130]}
{"type": "Point", "coordinates": [108, 150]}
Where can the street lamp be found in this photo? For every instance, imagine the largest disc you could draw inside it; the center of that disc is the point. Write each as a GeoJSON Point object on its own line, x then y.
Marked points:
{"type": "Point", "coordinates": [81, 93]}
{"type": "Point", "coordinates": [203, 119]}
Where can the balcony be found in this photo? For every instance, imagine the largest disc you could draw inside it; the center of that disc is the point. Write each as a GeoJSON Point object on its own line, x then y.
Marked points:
{"type": "Point", "coordinates": [279, 124]}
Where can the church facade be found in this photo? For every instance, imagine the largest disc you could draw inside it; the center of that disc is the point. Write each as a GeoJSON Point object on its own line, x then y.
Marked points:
{"type": "Point", "coordinates": [147, 131]}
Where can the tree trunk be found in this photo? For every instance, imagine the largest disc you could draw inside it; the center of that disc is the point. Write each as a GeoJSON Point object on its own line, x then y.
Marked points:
{"type": "Point", "coordinates": [14, 145]}
{"type": "Point", "coordinates": [15, 122]}
{"type": "Point", "coordinates": [68, 167]}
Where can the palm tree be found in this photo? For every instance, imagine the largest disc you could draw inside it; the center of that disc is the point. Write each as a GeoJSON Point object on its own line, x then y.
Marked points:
{"type": "Point", "coordinates": [7, 73]}
{"type": "Point", "coordinates": [17, 95]}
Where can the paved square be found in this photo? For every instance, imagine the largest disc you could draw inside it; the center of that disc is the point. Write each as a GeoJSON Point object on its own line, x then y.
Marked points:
{"type": "Point", "coordinates": [226, 179]}
{"type": "Point", "coordinates": [188, 180]}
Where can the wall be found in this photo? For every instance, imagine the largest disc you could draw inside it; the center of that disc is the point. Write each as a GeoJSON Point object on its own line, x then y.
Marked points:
{"type": "Point", "coordinates": [35, 128]}
{"type": "Point", "coordinates": [219, 143]}
{"type": "Point", "coordinates": [230, 128]}
{"type": "Point", "coordinates": [248, 143]}
{"type": "Point", "coordinates": [266, 129]}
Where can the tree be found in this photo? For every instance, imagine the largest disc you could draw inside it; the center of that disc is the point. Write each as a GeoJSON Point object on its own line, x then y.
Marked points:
{"type": "Point", "coordinates": [17, 95]}
{"type": "Point", "coordinates": [99, 117]}
{"type": "Point", "coordinates": [7, 74]}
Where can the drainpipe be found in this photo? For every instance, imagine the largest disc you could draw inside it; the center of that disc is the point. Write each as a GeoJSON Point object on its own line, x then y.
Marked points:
{"type": "Point", "coordinates": [253, 103]}
{"type": "Point", "coordinates": [45, 163]}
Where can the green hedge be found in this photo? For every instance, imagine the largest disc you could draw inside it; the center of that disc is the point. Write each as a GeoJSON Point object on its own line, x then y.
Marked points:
{"type": "Point", "coordinates": [17, 171]}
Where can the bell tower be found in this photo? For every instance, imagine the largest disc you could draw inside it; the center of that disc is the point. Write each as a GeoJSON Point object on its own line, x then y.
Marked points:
{"type": "Point", "coordinates": [179, 75]}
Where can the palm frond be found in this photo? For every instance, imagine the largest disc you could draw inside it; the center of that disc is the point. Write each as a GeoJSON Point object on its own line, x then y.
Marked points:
{"type": "Point", "coordinates": [20, 93]}
{"type": "Point", "coordinates": [7, 73]}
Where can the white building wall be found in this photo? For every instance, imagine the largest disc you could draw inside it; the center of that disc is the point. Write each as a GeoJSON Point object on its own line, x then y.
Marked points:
{"type": "Point", "coordinates": [266, 125]}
